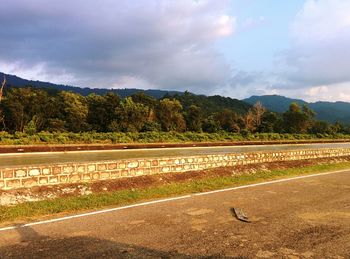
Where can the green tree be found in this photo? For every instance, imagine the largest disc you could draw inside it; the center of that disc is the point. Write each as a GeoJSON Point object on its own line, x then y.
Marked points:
{"type": "Point", "coordinates": [210, 125]}
{"type": "Point", "coordinates": [151, 103]}
{"type": "Point", "coordinates": [229, 120]}
{"type": "Point", "coordinates": [321, 127]}
{"type": "Point", "coordinates": [337, 127]}
{"type": "Point", "coordinates": [74, 110]}
{"type": "Point", "coordinates": [131, 116]}
{"type": "Point", "coordinates": [98, 113]}
{"type": "Point", "coordinates": [297, 120]}
{"type": "Point", "coordinates": [141, 97]}
{"type": "Point", "coordinates": [170, 116]}
{"type": "Point", "coordinates": [111, 105]}
{"type": "Point", "coordinates": [194, 118]}
{"type": "Point", "coordinates": [20, 106]}
{"type": "Point", "coordinates": [270, 122]}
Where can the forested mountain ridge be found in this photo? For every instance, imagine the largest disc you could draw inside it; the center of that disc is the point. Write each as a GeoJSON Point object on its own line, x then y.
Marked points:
{"type": "Point", "coordinates": [28, 109]}
{"type": "Point", "coordinates": [209, 104]}
{"type": "Point", "coordinates": [15, 81]}
{"type": "Point", "coordinates": [34, 106]}
{"type": "Point", "coordinates": [326, 111]}
{"type": "Point", "coordinates": [276, 103]}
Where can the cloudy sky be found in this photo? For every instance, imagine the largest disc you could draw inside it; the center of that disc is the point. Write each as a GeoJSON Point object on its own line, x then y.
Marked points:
{"type": "Point", "coordinates": [236, 48]}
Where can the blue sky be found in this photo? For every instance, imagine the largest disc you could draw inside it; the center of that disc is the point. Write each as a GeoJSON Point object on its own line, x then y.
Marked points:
{"type": "Point", "coordinates": [263, 22]}
{"type": "Point", "coordinates": [235, 48]}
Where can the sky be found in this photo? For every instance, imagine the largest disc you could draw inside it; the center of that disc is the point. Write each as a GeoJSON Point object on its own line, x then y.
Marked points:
{"type": "Point", "coordinates": [234, 48]}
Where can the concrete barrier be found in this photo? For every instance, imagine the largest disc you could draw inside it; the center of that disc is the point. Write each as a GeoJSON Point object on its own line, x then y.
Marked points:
{"type": "Point", "coordinates": [41, 175]}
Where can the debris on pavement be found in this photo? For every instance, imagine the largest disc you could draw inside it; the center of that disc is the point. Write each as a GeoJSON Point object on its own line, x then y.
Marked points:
{"type": "Point", "coordinates": [240, 215]}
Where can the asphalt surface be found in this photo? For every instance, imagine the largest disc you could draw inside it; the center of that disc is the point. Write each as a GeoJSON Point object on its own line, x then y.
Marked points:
{"type": "Point", "coordinates": [91, 147]}
{"type": "Point", "coordinates": [301, 218]}
{"type": "Point", "coordinates": [9, 160]}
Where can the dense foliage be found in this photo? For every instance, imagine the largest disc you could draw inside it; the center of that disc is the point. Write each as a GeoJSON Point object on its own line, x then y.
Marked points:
{"type": "Point", "coordinates": [31, 111]}
{"type": "Point", "coordinates": [327, 111]}
{"type": "Point", "coordinates": [19, 138]}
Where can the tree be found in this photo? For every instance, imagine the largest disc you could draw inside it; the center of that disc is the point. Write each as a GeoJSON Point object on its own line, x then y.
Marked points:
{"type": "Point", "coordinates": [170, 116]}
{"type": "Point", "coordinates": [2, 88]}
{"type": "Point", "coordinates": [297, 120]}
{"type": "Point", "coordinates": [194, 118]}
{"type": "Point", "coordinates": [258, 111]}
{"type": "Point", "coordinates": [22, 104]}
{"type": "Point", "coordinates": [228, 120]}
{"type": "Point", "coordinates": [131, 116]}
{"type": "Point", "coordinates": [321, 127]}
{"type": "Point", "coordinates": [270, 122]}
{"type": "Point", "coordinates": [148, 101]}
{"type": "Point", "coordinates": [141, 97]}
{"type": "Point", "coordinates": [2, 117]}
{"type": "Point", "coordinates": [210, 125]}
{"type": "Point", "coordinates": [75, 111]}
{"type": "Point", "coordinates": [337, 127]}
{"type": "Point", "coordinates": [252, 119]}
{"type": "Point", "coordinates": [249, 121]}
{"type": "Point", "coordinates": [97, 117]}
{"type": "Point", "coordinates": [112, 103]}
{"type": "Point", "coordinates": [102, 110]}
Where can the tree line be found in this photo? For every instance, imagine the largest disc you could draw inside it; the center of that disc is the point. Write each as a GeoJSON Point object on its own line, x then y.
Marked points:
{"type": "Point", "coordinates": [33, 110]}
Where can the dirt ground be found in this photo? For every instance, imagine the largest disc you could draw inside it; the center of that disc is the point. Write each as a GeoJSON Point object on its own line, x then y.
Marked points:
{"type": "Point", "coordinates": [11, 197]}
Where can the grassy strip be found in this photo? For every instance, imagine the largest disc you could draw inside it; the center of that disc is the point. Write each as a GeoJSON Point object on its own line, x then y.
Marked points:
{"type": "Point", "coordinates": [20, 138]}
{"type": "Point", "coordinates": [27, 211]}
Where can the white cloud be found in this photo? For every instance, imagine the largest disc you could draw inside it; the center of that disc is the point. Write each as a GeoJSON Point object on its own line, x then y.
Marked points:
{"type": "Point", "coordinates": [322, 20]}
{"type": "Point", "coordinates": [331, 92]}
{"type": "Point", "coordinates": [164, 44]}
{"type": "Point", "coordinates": [225, 25]}
{"type": "Point", "coordinates": [319, 55]}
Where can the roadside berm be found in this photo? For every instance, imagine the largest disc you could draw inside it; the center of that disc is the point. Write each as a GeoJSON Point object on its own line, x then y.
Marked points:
{"type": "Point", "coordinates": [44, 192]}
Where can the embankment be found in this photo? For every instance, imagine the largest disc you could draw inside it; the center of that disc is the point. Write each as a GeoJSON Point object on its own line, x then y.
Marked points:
{"type": "Point", "coordinates": [42, 175]}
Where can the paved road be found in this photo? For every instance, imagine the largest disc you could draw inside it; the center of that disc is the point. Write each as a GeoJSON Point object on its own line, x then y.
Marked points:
{"type": "Point", "coordinates": [303, 218]}
{"type": "Point", "coordinates": [7, 160]}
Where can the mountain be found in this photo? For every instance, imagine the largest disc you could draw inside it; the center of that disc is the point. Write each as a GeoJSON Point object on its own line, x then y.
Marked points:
{"type": "Point", "coordinates": [326, 111]}
{"type": "Point", "coordinates": [15, 81]}
{"type": "Point", "coordinates": [212, 104]}
{"type": "Point", "coordinates": [209, 104]}
{"type": "Point", "coordinates": [332, 111]}
{"type": "Point", "coordinates": [274, 103]}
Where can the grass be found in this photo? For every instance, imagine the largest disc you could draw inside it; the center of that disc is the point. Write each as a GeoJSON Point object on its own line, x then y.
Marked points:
{"type": "Point", "coordinates": [30, 210]}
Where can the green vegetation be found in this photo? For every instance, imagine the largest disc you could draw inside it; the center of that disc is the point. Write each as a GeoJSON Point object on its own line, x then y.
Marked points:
{"type": "Point", "coordinates": [19, 138]}
{"type": "Point", "coordinates": [30, 210]}
{"type": "Point", "coordinates": [326, 111]}
{"type": "Point", "coordinates": [29, 115]}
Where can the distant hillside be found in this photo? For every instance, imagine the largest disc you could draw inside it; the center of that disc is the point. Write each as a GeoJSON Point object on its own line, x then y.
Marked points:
{"type": "Point", "coordinates": [327, 111]}
{"type": "Point", "coordinates": [15, 81]}
{"type": "Point", "coordinates": [332, 111]}
{"type": "Point", "coordinates": [209, 104]}
{"type": "Point", "coordinates": [274, 103]}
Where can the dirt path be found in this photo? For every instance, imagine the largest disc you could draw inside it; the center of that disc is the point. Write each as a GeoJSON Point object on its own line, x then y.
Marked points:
{"type": "Point", "coordinates": [304, 218]}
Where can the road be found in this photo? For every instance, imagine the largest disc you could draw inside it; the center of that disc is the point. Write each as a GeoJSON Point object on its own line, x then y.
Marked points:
{"type": "Point", "coordinates": [300, 218]}
{"type": "Point", "coordinates": [8, 160]}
